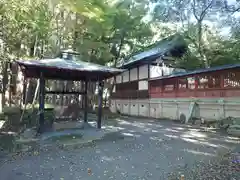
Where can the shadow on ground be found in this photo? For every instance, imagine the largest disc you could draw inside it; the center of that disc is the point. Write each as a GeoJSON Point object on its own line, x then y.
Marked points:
{"type": "Point", "coordinates": [150, 149]}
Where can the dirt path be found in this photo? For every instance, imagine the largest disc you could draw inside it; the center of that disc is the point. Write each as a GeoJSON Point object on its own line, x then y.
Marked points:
{"type": "Point", "coordinates": [154, 150]}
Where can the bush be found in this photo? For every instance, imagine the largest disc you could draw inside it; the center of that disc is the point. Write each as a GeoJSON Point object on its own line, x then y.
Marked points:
{"type": "Point", "coordinates": [11, 110]}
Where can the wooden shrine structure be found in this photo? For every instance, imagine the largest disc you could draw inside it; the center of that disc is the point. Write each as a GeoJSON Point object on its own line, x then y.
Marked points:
{"type": "Point", "coordinates": [67, 66]}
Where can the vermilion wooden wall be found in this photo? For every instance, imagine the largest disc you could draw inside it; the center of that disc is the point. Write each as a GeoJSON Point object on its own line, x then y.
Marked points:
{"type": "Point", "coordinates": [224, 83]}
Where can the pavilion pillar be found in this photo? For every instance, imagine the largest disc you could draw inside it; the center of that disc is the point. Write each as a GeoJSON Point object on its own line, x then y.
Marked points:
{"type": "Point", "coordinates": [41, 102]}
{"type": "Point", "coordinates": [85, 102]}
{"type": "Point", "coordinates": [100, 103]}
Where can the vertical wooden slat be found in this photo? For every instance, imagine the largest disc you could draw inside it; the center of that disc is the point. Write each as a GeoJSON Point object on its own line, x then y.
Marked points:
{"type": "Point", "coordinates": [100, 99]}
{"type": "Point", "coordinates": [41, 103]}
{"type": "Point", "coordinates": [86, 102]}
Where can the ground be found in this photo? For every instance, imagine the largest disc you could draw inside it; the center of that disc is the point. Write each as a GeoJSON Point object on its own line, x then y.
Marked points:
{"type": "Point", "coordinates": [151, 149]}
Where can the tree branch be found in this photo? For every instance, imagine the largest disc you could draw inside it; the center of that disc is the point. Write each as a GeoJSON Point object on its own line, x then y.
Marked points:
{"type": "Point", "coordinates": [204, 12]}
{"type": "Point", "coordinates": [231, 9]}
{"type": "Point", "coordinates": [194, 10]}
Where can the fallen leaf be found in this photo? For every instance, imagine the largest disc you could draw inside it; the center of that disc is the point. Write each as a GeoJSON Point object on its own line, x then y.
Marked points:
{"type": "Point", "coordinates": [89, 171]}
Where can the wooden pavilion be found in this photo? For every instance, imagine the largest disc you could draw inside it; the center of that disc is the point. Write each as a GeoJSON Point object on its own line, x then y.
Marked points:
{"type": "Point", "coordinates": [67, 66]}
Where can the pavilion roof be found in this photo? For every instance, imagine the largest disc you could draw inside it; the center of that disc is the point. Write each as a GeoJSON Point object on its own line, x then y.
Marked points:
{"type": "Point", "coordinates": [66, 69]}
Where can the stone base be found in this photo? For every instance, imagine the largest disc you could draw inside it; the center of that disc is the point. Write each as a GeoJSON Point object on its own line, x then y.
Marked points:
{"type": "Point", "coordinates": [234, 130]}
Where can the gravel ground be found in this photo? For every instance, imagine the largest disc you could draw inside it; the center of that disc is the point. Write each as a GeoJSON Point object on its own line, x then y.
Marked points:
{"type": "Point", "coordinates": [151, 149]}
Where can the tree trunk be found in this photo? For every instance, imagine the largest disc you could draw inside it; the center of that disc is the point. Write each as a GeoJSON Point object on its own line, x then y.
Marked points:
{"type": "Point", "coordinates": [31, 90]}
{"type": "Point", "coordinates": [200, 45]}
{"type": "Point", "coordinates": [5, 81]}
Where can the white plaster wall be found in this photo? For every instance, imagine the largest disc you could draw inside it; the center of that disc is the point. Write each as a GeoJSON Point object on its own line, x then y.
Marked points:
{"type": "Point", "coordinates": [126, 107]}
{"type": "Point", "coordinates": [119, 106]}
{"type": "Point", "coordinates": [133, 74]}
{"type": "Point", "coordinates": [232, 109]}
{"type": "Point", "coordinates": [183, 108]}
{"type": "Point", "coordinates": [119, 78]}
{"type": "Point", "coordinates": [159, 111]}
{"type": "Point", "coordinates": [114, 88]}
{"type": "Point", "coordinates": [125, 76]}
{"type": "Point", "coordinates": [134, 108]}
{"type": "Point", "coordinates": [158, 71]}
{"type": "Point", "coordinates": [142, 85]}
{"type": "Point", "coordinates": [169, 110]}
{"type": "Point", "coordinates": [113, 106]}
{"type": "Point", "coordinates": [143, 72]}
{"type": "Point", "coordinates": [155, 71]}
{"type": "Point", "coordinates": [153, 110]}
{"type": "Point", "coordinates": [167, 71]}
{"type": "Point", "coordinates": [144, 109]}
{"type": "Point", "coordinates": [209, 111]}
{"type": "Point", "coordinates": [172, 108]}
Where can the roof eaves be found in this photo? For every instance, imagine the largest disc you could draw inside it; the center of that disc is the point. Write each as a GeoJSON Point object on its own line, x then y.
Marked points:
{"type": "Point", "coordinates": [159, 50]}
{"type": "Point", "coordinates": [198, 71]}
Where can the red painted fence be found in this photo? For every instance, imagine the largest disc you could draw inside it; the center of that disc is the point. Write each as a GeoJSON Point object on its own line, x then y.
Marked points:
{"type": "Point", "coordinates": [225, 83]}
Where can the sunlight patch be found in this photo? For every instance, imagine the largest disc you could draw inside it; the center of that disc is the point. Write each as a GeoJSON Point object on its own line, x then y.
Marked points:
{"type": "Point", "coordinates": [232, 141]}
{"type": "Point", "coordinates": [190, 140]}
{"type": "Point", "coordinates": [131, 135]}
{"type": "Point", "coordinates": [105, 158]}
{"type": "Point", "coordinates": [156, 139]}
{"type": "Point", "coordinates": [138, 124]}
{"type": "Point", "coordinates": [179, 128]}
{"type": "Point", "coordinates": [194, 134]}
{"type": "Point", "coordinates": [171, 130]}
{"type": "Point", "coordinates": [171, 136]}
{"type": "Point", "coordinates": [198, 134]}
{"type": "Point", "coordinates": [123, 122]}
{"type": "Point", "coordinates": [2, 123]}
{"type": "Point", "coordinates": [209, 144]}
{"type": "Point", "coordinates": [198, 152]}
{"type": "Point", "coordinates": [115, 128]}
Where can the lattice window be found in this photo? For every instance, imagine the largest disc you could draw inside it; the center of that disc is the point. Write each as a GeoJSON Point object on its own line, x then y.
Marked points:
{"type": "Point", "coordinates": [214, 80]}
{"type": "Point", "coordinates": [232, 79]}
{"type": "Point", "coordinates": [191, 82]}
{"type": "Point", "coordinates": [202, 82]}
{"type": "Point", "coordinates": [156, 86]}
{"type": "Point", "coordinates": [169, 85]}
{"type": "Point", "coordinates": [133, 85]}
{"type": "Point", "coordinates": [182, 83]}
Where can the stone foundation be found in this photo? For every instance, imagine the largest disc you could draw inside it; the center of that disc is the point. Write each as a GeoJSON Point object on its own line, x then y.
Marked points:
{"type": "Point", "coordinates": [172, 108]}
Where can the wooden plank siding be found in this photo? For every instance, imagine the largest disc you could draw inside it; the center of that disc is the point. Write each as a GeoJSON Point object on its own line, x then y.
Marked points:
{"type": "Point", "coordinates": [225, 83]}
{"type": "Point", "coordinates": [130, 90]}
{"type": "Point", "coordinates": [143, 94]}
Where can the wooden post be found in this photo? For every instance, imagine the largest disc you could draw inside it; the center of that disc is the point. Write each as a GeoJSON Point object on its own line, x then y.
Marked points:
{"type": "Point", "coordinates": [196, 82]}
{"type": "Point", "coordinates": [100, 99]}
{"type": "Point", "coordinates": [85, 102]}
{"type": "Point", "coordinates": [41, 102]}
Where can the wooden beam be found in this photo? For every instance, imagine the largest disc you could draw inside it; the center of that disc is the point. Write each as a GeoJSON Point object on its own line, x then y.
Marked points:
{"type": "Point", "coordinates": [65, 92]}
{"type": "Point", "coordinates": [100, 99]}
{"type": "Point", "coordinates": [129, 74]}
{"type": "Point", "coordinates": [148, 71]}
{"type": "Point", "coordinates": [41, 103]}
{"type": "Point", "coordinates": [86, 102]}
{"type": "Point", "coordinates": [137, 73]}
